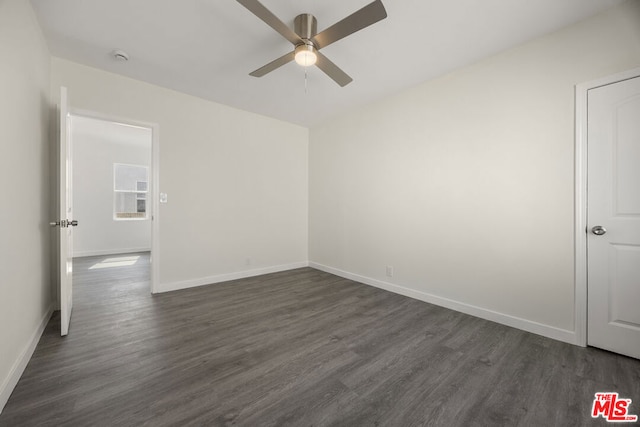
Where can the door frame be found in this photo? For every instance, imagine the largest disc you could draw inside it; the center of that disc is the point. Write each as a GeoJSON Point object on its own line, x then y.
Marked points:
{"type": "Point", "coordinates": [580, 232]}
{"type": "Point", "coordinates": [153, 187]}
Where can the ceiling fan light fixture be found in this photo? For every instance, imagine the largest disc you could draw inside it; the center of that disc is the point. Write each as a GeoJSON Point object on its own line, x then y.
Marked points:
{"type": "Point", "coordinates": [306, 55]}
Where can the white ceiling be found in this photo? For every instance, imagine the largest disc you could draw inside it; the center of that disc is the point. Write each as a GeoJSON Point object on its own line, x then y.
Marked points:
{"type": "Point", "coordinates": [207, 48]}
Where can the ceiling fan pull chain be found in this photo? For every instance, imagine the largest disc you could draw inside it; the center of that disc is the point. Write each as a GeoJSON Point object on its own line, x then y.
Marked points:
{"type": "Point", "coordinates": [305, 81]}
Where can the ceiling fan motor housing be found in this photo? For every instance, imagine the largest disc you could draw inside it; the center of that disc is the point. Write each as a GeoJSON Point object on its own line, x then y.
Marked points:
{"type": "Point", "coordinates": [306, 26]}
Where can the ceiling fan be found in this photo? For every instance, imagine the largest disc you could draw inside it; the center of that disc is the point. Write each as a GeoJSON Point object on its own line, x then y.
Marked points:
{"type": "Point", "coordinates": [307, 41]}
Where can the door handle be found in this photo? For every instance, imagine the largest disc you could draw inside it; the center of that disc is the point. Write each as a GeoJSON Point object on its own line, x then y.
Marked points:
{"type": "Point", "coordinates": [598, 230]}
{"type": "Point", "coordinates": [64, 223]}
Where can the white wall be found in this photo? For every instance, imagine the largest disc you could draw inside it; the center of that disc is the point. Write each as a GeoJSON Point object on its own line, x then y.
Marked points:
{"type": "Point", "coordinates": [97, 145]}
{"type": "Point", "coordinates": [25, 280]}
{"type": "Point", "coordinates": [236, 181]}
{"type": "Point", "coordinates": [465, 184]}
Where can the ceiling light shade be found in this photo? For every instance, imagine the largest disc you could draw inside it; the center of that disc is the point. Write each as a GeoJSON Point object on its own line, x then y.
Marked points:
{"type": "Point", "coordinates": [306, 55]}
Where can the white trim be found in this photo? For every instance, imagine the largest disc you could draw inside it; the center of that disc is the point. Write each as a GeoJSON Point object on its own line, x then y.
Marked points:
{"type": "Point", "coordinates": [21, 362]}
{"type": "Point", "coordinates": [174, 286]}
{"type": "Point", "coordinates": [154, 185]}
{"type": "Point", "coordinates": [580, 236]}
{"type": "Point", "coordinates": [580, 207]}
{"type": "Point", "coordinates": [483, 313]}
{"type": "Point", "coordinates": [154, 190]}
{"type": "Point", "coordinates": [110, 252]}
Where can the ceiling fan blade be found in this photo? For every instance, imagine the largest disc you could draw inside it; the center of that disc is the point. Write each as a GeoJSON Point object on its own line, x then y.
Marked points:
{"type": "Point", "coordinates": [284, 59]}
{"type": "Point", "coordinates": [364, 17]}
{"type": "Point", "coordinates": [332, 70]}
{"type": "Point", "coordinates": [255, 7]}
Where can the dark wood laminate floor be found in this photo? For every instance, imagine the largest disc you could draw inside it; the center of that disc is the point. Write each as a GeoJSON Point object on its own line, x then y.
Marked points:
{"type": "Point", "coordinates": [299, 348]}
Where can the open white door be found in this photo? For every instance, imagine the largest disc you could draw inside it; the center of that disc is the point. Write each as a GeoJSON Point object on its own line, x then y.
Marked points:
{"type": "Point", "coordinates": [65, 222]}
{"type": "Point", "coordinates": [613, 217]}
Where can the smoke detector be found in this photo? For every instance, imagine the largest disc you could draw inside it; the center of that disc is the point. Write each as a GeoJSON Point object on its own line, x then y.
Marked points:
{"type": "Point", "coordinates": [120, 55]}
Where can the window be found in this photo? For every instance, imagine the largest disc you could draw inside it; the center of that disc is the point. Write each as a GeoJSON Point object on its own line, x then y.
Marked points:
{"type": "Point", "coordinates": [130, 187]}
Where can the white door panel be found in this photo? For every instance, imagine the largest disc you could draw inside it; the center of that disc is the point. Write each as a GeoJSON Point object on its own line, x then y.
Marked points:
{"type": "Point", "coordinates": [66, 213]}
{"type": "Point", "coordinates": [613, 200]}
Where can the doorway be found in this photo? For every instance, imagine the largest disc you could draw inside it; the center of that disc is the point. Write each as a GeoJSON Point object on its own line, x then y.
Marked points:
{"type": "Point", "coordinates": [608, 213]}
{"type": "Point", "coordinates": [114, 174]}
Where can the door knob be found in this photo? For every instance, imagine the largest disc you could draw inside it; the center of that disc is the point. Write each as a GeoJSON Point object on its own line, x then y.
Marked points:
{"type": "Point", "coordinates": [64, 223]}
{"type": "Point", "coordinates": [598, 230]}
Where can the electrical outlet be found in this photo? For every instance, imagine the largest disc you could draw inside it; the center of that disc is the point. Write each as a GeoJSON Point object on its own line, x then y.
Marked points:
{"type": "Point", "coordinates": [247, 261]}
{"type": "Point", "coordinates": [389, 271]}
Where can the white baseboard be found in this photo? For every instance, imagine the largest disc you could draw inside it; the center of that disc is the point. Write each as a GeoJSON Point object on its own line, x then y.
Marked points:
{"type": "Point", "coordinates": [20, 364]}
{"type": "Point", "coordinates": [174, 286]}
{"type": "Point", "coordinates": [483, 313]}
{"type": "Point", "coordinates": [78, 254]}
